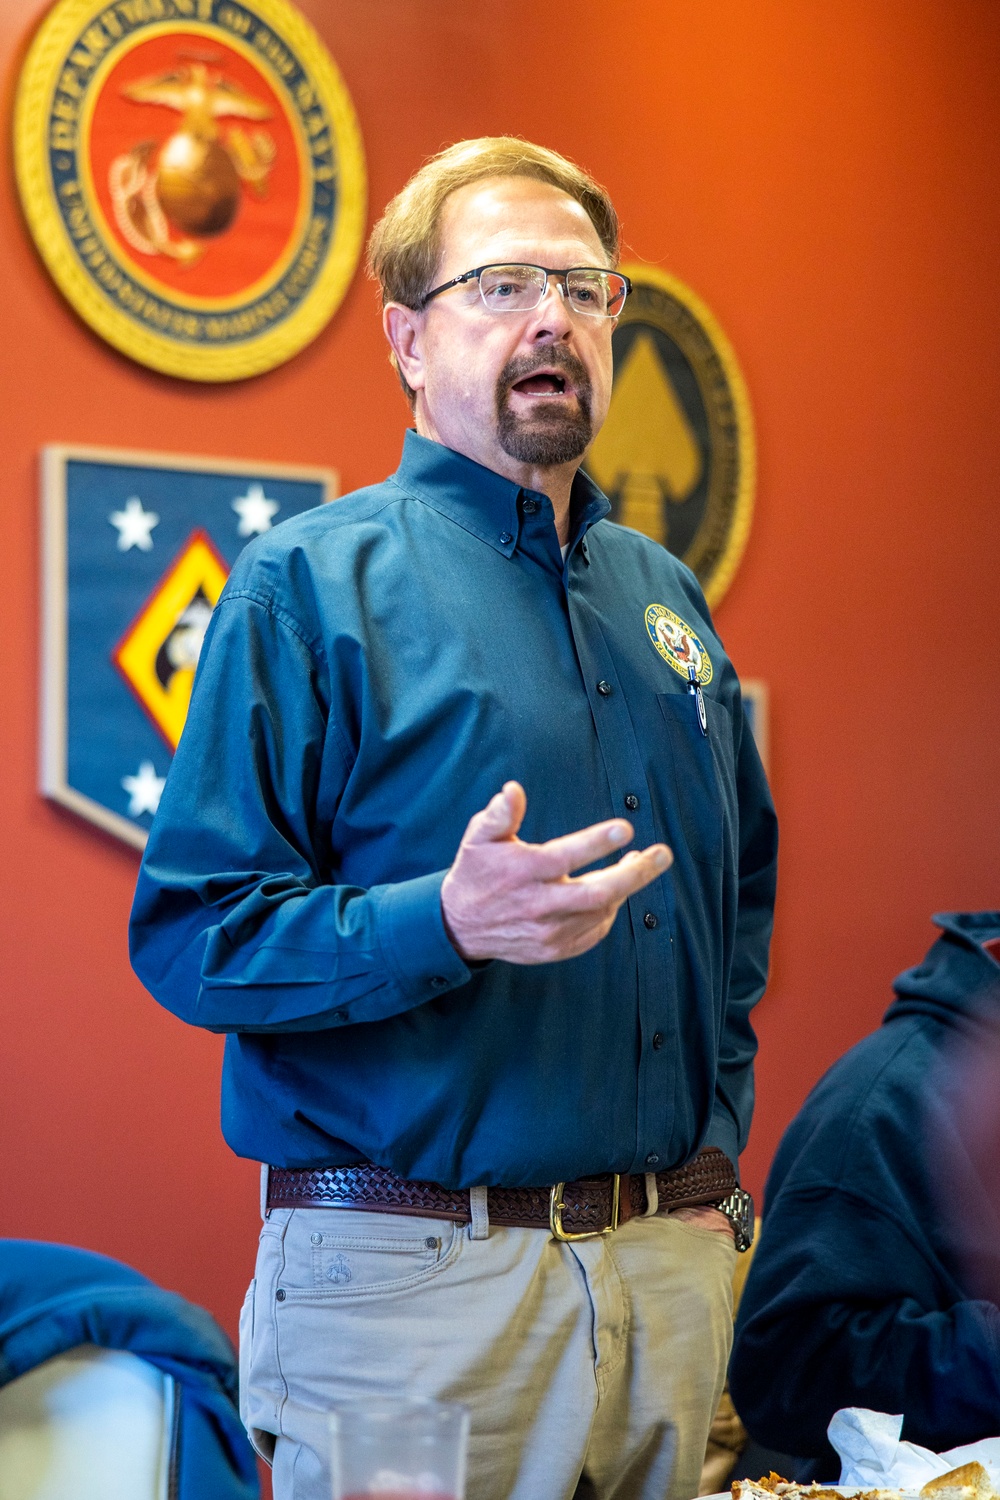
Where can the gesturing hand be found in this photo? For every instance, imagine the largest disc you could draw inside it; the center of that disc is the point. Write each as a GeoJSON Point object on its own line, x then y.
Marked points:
{"type": "Point", "coordinates": [506, 899]}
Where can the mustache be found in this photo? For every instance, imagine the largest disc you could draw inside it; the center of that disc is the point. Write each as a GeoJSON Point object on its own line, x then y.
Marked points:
{"type": "Point", "coordinates": [555, 358]}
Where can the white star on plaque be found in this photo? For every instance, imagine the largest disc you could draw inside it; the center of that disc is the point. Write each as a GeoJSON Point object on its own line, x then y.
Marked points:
{"type": "Point", "coordinates": [255, 511]}
{"type": "Point", "coordinates": [144, 789]}
{"type": "Point", "coordinates": [134, 525]}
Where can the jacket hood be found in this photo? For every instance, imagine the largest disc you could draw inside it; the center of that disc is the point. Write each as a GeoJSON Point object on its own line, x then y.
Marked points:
{"type": "Point", "coordinates": [959, 979]}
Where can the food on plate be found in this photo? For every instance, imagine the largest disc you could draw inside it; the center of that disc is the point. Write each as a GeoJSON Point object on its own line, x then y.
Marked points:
{"type": "Point", "coordinates": [968, 1482]}
{"type": "Point", "coordinates": [776, 1488]}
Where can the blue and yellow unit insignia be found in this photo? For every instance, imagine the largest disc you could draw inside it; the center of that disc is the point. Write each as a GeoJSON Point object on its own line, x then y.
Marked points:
{"type": "Point", "coordinates": [160, 651]}
{"type": "Point", "coordinates": [137, 550]}
{"type": "Point", "coordinates": [193, 177]}
{"type": "Point", "coordinates": [679, 645]}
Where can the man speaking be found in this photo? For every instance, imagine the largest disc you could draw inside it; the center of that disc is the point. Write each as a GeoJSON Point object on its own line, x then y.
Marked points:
{"type": "Point", "coordinates": [499, 1071]}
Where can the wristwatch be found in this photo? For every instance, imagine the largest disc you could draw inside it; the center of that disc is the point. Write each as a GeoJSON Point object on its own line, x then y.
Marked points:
{"type": "Point", "coordinates": [738, 1209]}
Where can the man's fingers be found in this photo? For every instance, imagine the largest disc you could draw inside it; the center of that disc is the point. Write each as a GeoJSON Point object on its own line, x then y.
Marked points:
{"type": "Point", "coordinates": [611, 886]}
{"type": "Point", "coordinates": [563, 855]}
{"type": "Point", "coordinates": [500, 818]}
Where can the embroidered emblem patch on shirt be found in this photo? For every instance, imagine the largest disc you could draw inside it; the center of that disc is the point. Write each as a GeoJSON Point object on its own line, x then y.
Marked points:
{"type": "Point", "coordinates": [677, 644]}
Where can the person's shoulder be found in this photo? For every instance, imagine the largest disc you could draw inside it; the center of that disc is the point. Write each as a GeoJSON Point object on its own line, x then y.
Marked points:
{"type": "Point", "coordinates": [311, 527]}
{"type": "Point", "coordinates": [871, 1065]}
{"type": "Point", "coordinates": [304, 542]}
{"type": "Point", "coordinates": [625, 541]}
{"type": "Point", "coordinates": [625, 548]}
{"type": "Point", "coordinates": [865, 1108]}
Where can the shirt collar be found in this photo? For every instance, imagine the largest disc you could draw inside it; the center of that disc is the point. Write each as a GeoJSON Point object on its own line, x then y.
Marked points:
{"type": "Point", "coordinates": [480, 500]}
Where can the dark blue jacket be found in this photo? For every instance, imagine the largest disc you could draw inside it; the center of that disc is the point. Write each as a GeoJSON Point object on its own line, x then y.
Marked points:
{"type": "Point", "coordinates": [374, 672]}
{"type": "Point", "coordinates": [54, 1298]}
{"type": "Point", "coordinates": [855, 1296]}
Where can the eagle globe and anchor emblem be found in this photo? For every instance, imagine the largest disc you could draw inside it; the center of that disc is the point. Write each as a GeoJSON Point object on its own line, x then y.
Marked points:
{"type": "Point", "coordinates": [193, 177]}
{"type": "Point", "coordinates": [191, 182]}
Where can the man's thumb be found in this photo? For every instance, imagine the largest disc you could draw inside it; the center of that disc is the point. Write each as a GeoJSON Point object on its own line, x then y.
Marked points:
{"type": "Point", "coordinates": [500, 818]}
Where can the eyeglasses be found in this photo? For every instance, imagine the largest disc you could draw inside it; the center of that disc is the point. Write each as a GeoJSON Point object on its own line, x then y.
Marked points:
{"type": "Point", "coordinates": [518, 289]}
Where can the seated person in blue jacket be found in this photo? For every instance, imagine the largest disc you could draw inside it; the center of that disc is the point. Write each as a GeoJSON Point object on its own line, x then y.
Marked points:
{"type": "Point", "coordinates": [858, 1293]}
{"type": "Point", "coordinates": [57, 1300]}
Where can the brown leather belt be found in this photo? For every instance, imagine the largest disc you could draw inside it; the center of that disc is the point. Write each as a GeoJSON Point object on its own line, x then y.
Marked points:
{"type": "Point", "coordinates": [593, 1205]}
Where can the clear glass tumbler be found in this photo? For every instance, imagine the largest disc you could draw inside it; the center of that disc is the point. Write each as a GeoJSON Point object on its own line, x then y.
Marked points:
{"type": "Point", "coordinates": [399, 1450]}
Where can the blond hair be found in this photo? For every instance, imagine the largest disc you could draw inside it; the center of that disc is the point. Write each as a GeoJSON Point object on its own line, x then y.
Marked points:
{"type": "Point", "coordinates": [404, 248]}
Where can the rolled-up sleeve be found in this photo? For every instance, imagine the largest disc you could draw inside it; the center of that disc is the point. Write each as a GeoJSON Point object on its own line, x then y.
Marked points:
{"type": "Point", "coordinates": [239, 922]}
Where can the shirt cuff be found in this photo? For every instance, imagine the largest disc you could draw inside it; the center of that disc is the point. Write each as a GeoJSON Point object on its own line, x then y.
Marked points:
{"type": "Point", "coordinates": [722, 1133]}
{"type": "Point", "coordinates": [417, 949]}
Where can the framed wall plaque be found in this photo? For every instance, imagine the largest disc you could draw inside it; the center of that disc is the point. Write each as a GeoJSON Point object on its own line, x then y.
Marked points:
{"type": "Point", "coordinates": [676, 456]}
{"type": "Point", "coordinates": [193, 177]}
{"type": "Point", "coordinates": [136, 550]}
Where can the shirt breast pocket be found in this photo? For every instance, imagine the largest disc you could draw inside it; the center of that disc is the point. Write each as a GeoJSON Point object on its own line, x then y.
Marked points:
{"type": "Point", "coordinates": [704, 774]}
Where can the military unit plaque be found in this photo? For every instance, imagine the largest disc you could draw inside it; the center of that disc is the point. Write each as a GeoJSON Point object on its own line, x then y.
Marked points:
{"type": "Point", "coordinates": [676, 455]}
{"type": "Point", "coordinates": [137, 547]}
{"type": "Point", "coordinates": [193, 176]}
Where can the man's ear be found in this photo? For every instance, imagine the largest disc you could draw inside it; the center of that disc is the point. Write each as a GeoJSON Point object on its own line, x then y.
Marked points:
{"type": "Point", "coordinates": [404, 328]}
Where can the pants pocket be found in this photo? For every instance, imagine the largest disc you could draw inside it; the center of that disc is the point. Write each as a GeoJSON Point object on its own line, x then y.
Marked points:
{"type": "Point", "coordinates": [261, 1441]}
{"type": "Point", "coordinates": [340, 1255]}
{"type": "Point", "coordinates": [366, 1262]}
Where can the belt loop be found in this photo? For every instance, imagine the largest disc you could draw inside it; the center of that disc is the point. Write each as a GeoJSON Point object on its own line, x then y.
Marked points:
{"type": "Point", "coordinates": [479, 1228]}
{"type": "Point", "coordinates": [652, 1195]}
{"type": "Point", "coordinates": [264, 1170]}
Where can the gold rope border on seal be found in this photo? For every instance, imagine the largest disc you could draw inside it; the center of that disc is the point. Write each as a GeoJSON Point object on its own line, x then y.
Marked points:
{"type": "Point", "coordinates": [725, 569]}
{"type": "Point", "coordinates": [36, 87]}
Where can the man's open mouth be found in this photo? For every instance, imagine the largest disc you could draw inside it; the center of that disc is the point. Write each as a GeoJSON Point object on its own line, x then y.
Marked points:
{"type": "Point", "coordinates": [543, 383]}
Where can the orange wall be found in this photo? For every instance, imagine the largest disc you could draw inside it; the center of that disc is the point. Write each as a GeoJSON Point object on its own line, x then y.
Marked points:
{"type": "Point", "coordinates": [825, 176]}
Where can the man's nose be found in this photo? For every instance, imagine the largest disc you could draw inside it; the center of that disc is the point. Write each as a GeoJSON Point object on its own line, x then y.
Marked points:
{"type": "Point", "coordinates": [553, 316]}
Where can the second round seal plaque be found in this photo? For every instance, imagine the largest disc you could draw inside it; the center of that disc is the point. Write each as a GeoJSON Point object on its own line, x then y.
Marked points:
{"type": "Point", "coordinates": [676, 456]}
{"type": "Point", "coordinates": [193, 176]}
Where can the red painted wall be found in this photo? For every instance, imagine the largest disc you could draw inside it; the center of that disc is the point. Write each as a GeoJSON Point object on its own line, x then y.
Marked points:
{"type": "Point", "coordinates": [825, 177]}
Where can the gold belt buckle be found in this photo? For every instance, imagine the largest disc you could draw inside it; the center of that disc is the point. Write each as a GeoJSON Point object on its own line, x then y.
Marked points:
{"type": "Point", "coordinates": [556, 1207]}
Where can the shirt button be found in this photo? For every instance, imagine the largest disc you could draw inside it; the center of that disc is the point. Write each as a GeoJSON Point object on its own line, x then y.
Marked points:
{"type": "Point", "coordinates": [631, 802]}
{"type": "Point", "coordinates": [340, 1015]}
{"type": "Point", "coordinates": [505, 537]}
{"type": "Point", "coordinates": [652, 1159]}
{"type": "Point", "coordinates": [657, 1040]}
{"type": "Point", "coordinates": [438, 982]}
{"type": "Point", "coordinates": [650, 920]}
{"type": "Point", "coordinates": [604, 688]}
{"type": "Point", "coordinates": [529, 506]}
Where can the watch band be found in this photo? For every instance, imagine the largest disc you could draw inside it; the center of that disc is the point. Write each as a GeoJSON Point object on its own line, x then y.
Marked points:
{"type": "Point", "coordinates": [738, 1209]}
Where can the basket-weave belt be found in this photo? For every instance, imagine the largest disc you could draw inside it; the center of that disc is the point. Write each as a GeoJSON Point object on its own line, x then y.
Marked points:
{"type": "Point", "coordinates": [586, 1204]}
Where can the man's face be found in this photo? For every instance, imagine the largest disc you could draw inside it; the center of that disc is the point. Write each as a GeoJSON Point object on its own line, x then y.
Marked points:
{"type": "Point", "coordinates": [523, 393]}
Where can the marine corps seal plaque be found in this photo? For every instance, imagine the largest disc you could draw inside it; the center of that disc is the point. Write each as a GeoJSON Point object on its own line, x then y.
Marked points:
{"type": "Point", "coordinates": [676, 455]}
{"type": "Point", "coordinates": [193, 177]}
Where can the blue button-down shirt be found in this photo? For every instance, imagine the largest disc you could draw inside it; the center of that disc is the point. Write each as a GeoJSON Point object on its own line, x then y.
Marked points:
{"type": "Point", "coordinates": [374, 672]}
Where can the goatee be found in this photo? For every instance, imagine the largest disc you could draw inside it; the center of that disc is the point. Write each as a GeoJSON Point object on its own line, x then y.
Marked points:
{"type": "Point", "coordinates": [553, 435]}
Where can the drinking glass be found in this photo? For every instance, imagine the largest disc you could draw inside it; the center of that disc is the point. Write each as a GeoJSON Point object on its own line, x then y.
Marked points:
{"type": "Point", "coordinates": [399, 1450]}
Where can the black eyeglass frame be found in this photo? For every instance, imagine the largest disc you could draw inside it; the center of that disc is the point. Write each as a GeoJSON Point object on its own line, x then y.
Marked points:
{"type": "Point", "coordinates": [546, 271]}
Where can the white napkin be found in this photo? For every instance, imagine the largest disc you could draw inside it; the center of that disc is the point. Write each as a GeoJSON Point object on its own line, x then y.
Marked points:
{"type": "Point", "coordinates": [871, 1454]}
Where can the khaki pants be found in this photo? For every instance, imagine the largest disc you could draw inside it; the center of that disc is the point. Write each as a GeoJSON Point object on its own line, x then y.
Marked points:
{"type": "Point", "coordinates": [597, 1364]}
